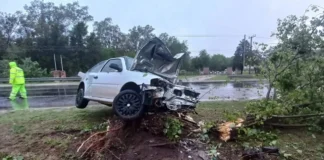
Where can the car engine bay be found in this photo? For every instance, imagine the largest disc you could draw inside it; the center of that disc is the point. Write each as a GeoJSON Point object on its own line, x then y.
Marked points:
{"type": "Point", "coordinates": [161, 93]}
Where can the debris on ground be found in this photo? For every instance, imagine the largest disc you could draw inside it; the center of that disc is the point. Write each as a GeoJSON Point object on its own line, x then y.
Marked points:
{"type": "Point", "coordinates": [144, 139]}
{"type": "Point", "coordinates": [227, 129]}
{"type": "Point", "coordinates": [126, 140]}
{"type": "Point", "coordinates": [260, 153]}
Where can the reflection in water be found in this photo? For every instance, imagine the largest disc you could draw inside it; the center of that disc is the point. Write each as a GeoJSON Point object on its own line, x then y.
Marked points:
{"type": "Point", "coordinates": [230, 91]}
{"type": "Point", "coordinates": [19, 104]}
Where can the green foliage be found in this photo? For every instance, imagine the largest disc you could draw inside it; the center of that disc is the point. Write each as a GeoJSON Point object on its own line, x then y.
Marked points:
{"type": "Point", "coordinates": [108, 34]}
{"type": "Point", "coordinates": [4, 68]}
{"type": "Point", "coordinates": [219, 62]}
{"type": "Point", "coordinates": [243, 48]}
{"type": "Point", "coordinates": [43, 29]}
{"type": "Point", "coordinates": [251, 137]}
{"type": "Point", "coordinates": [294, 70]}
{"type": "Point", "coordinates": [101, 126]}
{"type": "Point", "coordinates": [173, 128]}
{"type": "Point", "coordinates": [32, 68]}
{"type": "Point", "coordinates": [213, 153]}
{"type": "Point", "coordinates": [232, 116]}
{"type": "Point", "coordinates": [13, 158]}
{"type": "Point", "coordinates": [264, 109]}
{"type": "Point", "coordinates": [205, 130]}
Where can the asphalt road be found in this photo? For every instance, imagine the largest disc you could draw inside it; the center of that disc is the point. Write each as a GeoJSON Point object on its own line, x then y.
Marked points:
{"type": "Point", "coordinates": [37, 102]}
{"type": "Point", "coordinates": [209, 91]}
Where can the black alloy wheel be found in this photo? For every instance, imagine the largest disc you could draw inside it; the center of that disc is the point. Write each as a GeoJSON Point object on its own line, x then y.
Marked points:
{"type": "Point", "coordinates": [128, 105]}
{"type": "Point", "coordinates": [80, 101]}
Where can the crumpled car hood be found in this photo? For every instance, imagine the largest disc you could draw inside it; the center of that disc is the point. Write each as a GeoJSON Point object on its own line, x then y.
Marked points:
{"type": "Point", "coordinates": [155, 57]}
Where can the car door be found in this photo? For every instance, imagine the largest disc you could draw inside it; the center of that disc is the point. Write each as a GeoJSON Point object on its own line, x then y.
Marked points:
{"type": "Point", "coordinates": [106, 85]}
{"type": "Point", "coordinates": [91, 75]}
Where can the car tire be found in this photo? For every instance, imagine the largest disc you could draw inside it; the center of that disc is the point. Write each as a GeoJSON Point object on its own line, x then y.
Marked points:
{"type": "Point", "coordinates": [128, 105]}
{"type": "Point", "coordinates": [80, 101]}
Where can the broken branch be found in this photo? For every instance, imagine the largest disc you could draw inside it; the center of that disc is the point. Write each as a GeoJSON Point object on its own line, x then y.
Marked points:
{"type": "Point", "coordinates": [298, 116]}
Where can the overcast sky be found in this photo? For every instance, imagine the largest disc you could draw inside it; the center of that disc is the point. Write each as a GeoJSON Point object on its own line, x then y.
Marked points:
{"type": "Point", "coordinates": [224, 21]}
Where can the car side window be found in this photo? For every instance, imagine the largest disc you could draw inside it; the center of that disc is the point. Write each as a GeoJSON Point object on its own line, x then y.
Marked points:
{"type": "Point", "coordinates": [106, 68]}
{"type": "Point", "coordinates": [97, 67]}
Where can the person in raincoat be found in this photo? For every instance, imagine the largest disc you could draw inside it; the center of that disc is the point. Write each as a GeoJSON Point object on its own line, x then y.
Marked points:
{"type": "Point", "coordinates": [17, 80]}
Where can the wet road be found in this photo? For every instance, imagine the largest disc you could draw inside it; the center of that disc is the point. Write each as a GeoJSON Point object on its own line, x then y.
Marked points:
{"type": "Point", "coordinates": [230, 91]}
{"type": "Point", "coordinates": [209, 92]}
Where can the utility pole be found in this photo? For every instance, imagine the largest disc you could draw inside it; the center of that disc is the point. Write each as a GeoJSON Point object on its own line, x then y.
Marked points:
{"type": "Point", "coordinates": [251, 40]}
{"type": "Point", "coordinates": [55, 62]}
{"type": "Point", "coordinates": [243, 55]}
{"type": "Point", "coordinates": [61, 63]}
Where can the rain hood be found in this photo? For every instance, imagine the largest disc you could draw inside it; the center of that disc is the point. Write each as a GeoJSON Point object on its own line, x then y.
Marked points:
{"type": "Point", "coordinates": [155, 57]}
{"type": "Point", "coordinates": [12, 64]}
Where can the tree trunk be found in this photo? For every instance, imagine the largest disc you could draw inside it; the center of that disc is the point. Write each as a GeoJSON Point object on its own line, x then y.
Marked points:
{"type": "Point", "coordinates": [268, 93]}
{"type": "Point", "coordinates": [249, 69]}
{"type": "Point", "coordinates": [274, 94]}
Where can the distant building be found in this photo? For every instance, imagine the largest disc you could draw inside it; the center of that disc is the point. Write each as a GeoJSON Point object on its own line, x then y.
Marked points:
{"type": "Point", "coordinates": [206, 70]}
{"type": "Point", "coordinates": [229, 71]}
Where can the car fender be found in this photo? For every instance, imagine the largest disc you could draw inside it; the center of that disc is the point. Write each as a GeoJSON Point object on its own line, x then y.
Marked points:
{"type": "Point", "coordinates": [141, 77]}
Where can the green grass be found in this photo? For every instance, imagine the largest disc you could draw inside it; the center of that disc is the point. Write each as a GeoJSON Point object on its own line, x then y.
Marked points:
{"type": "Point", "coordinates": [183, 77]}
{"type": "Point", "coordinates": [33, 120]}
{"type": "Point", "coordinates": [225, 77]}
{"type": "Point", "coordinates": [41, 134]}
{"type": "Point", "coordinates": [220, 77]}
{"type": "Point", "coordinates": [48, 134]}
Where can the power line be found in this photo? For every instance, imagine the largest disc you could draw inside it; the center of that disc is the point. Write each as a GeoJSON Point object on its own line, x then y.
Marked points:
{"type": "Point", "coordinates": [219, 36]}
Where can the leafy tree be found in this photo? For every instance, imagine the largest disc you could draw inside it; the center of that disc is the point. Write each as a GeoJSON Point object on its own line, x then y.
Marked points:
{"type": "Point", "coordinates": [138, 36]}
{"type": "Point", "coordinates": [196, 63]}
{"type": "Point", "coordinates": [78, 42]}
{"type": "Point", "coordinates": [9, 24]}
{"type": "Point", "coordinates": [32, 68]}
{"type": "Point", "coordinates": [175, 46]}
{"type": "Point", "coordinates": [93, 50]}
{"type": "Point", "coordinates": [4, 68]}
{"type": "Point", "coordinates": [109, 35]}
{"type": "Point", "coordinates": [294, 68]}
{"type": "Point", "coordinates": [204, 59]}
{"type": "Point", "coordinates": [45, 29]}
{"type": "Point", "coordinates": [242, 49]}
{"type": "Point", "coordinates": [218, 62]}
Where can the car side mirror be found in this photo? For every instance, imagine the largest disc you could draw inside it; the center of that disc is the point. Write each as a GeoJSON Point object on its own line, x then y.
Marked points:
{"type": "Point", "coordinates": [116, 67]}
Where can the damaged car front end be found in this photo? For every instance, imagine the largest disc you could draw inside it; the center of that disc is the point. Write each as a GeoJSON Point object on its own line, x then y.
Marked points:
{"type": "Point", "coordinates": [163, 92]}
{"type": "Point", "coordinates": [133, 86]}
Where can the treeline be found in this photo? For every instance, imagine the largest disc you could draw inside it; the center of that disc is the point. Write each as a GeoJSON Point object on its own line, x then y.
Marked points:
{"type": "Point", "coordinates": [43, 29]}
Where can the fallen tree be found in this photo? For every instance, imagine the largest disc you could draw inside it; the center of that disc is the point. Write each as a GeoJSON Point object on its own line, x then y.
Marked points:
{"type": "Point", "coordinates": [171, 133]}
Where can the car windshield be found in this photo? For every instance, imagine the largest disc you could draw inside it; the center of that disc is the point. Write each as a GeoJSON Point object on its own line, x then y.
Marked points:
{"type": "Point", "coordinates": [129, 62]}
{"type": "Point", "coordinates": [97, 67]}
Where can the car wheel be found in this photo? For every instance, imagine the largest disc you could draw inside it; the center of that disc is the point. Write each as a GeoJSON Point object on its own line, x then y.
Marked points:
{"type": "Point", "coordinates": [128, 105]}
{"type": "Point", "coordinates": [80, 101]}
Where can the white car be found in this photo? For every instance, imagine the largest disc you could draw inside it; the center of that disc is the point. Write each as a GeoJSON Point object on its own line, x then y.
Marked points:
{"type": "Point", "coordinates": [133, 85]}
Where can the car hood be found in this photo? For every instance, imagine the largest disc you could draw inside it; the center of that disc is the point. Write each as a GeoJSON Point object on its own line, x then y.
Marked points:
{"type": "Point", "coordinates": [155, 57]}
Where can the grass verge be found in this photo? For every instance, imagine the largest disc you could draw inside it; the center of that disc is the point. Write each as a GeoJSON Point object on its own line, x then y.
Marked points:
{"type": "Point", "coordinates": [220, 77]}
{"type": "Point", "coordinates": [56, 134]}
{"type": "Point", "coordinates": [184, 77]}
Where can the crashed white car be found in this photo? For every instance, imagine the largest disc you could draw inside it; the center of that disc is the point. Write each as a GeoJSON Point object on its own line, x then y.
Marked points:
{"type": "Point", "coordinates": [133, 85]}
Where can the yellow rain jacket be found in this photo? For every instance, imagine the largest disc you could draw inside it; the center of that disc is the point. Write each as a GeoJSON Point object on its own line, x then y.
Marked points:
{"type": "Point", "coordinates": [16, 74]}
